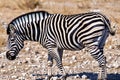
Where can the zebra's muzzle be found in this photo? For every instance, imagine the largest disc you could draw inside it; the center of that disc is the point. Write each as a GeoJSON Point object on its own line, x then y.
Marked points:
{"type": "Point", "coordinates": [10, 55]}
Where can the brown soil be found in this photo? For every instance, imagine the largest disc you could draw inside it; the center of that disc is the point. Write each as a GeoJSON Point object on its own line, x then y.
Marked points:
{"type": "Point", "coordinates": [33, 58]}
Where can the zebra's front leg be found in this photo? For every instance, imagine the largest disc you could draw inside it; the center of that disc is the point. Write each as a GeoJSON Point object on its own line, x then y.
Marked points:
{"type": "Point", "coordinates": [50, 64]}
{"type": "Point", "coordinates": [59, 64]}
{"type": "Point", "coordinates": [57, 55]}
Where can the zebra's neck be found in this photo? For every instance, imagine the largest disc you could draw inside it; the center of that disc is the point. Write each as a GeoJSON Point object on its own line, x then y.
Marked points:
{"type": "Point", "coordinates": [30, 25]}
{"type": "Point", "coordinates": [36, 31]}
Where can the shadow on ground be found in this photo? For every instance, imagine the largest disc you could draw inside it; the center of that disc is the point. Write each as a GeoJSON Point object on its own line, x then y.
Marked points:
{"type": "Point", "coordinates": [91, 76]}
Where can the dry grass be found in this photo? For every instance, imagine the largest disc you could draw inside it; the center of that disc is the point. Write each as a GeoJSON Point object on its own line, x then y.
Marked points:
{"type": "Point", "coordinates": [20, 4]}
{"type": "Point", "coordinates": [28, 4]}
{"type": "Point", "coordinates": [2, 36]}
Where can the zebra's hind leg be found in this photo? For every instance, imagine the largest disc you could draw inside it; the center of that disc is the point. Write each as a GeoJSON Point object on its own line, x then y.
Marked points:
{"type": "Point", "coordinates": [60, 66]}
{"type": "Point", "coordinates": [97, 54]}
{"type": "Point", "coordinates": [102, 73]}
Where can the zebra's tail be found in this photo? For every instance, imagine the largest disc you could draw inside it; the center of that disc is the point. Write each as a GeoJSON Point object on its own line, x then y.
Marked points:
{"type": "Point", "coordinates": [107, 24]}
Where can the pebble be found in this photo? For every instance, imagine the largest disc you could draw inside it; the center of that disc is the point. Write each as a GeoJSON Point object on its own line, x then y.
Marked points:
{"type": "Point", "coordinates": [116, 65]}
{"type": "Point", "coordinates": [3, 71]}
{"type": "Point", "coordinates": [14, 77]}
{"type": "Point", "coordinates": [54, 78]}
{"type": "Point", "coordinates": [32, 61]}
{"type": "Point", "coordinates": [77, 76]}
{"type": "Point", "coordinates": [110, 47]}
{"type": "Point", "coordinates": [109, 58]}
{"type": "Point", "coordinates": [66, 55]}
{"type": "Point", "coordinates": [3, 55]}
{"type": "Point", "coordinates": [24, 74]}
{"type": "Point", "coordinates": [2, 66]}
{"type": "Point", "coordinates": [74, 58]}
{"type": "Point", "coordinates": [19, 63]}
{"type": "Point", "coordinates": [21, 78]}
{"type": "Point", "coordinates": [71, 62]}
{"type": "Point", "coordinates": [84, 77]}
{"type": "Point", "coordinates": [25, 62]}
{"type": "Point", "coordinates": [27, 49]}
{"type": "Point", "coordinates": [36, 53]}
{"type": "Point", "coordinates": [109, 65]}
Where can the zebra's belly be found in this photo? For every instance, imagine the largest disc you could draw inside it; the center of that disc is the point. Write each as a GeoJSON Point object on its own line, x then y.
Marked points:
{"type": "Point", "coordinates": [72, 47]}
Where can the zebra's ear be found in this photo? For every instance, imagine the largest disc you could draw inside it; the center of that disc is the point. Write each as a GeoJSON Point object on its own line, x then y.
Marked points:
{"type": "Point", "coordinates": [12, 29]}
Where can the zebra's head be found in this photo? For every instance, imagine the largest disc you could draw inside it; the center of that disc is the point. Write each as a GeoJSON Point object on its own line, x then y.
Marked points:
{"type": "Point", "coordinates": [15, 42]}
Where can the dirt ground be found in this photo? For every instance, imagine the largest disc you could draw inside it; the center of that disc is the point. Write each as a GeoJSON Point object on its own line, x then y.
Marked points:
{"type": "Point", "coordinates": [31, 63]}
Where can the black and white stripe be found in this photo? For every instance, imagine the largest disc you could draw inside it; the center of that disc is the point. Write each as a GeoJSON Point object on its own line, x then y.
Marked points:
{"type": "Point", "coordinates": [58, 32]}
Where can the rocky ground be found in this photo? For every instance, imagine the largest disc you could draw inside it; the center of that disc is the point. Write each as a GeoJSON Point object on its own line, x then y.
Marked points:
{"type": "Point", "coordinates": [31, 63]}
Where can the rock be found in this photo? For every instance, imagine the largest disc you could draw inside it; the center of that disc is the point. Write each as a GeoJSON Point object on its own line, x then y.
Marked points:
{"type": "Point", "coordinates": [95, 10]}
{"type": "Point", "coordinates": [77, 76]}
{"type": "Point", "coordinates": [54, 78]}
{"type": "Point", "coordinates": [109, 65]}
{"type": "Point", "coordinates": [27, 49]}
{"type": "Point", "coordinates": [116, 65]}
{"type": "Point", "coordinates": [110, 47]}
{"type": "Point", "coordinates": [21, 78]}
{"type": "Point", "coordinates": [84, 77]}
{"type": "Point", "coordinates": [3, 55]}
{"type": "Point", "coordinates": [36, 53]}
{"type": "Point", "coordinates": [25, 62]}
{"type": "Point", "coordinates": [14, 77]}
{"type": "Point", "coordinates": [66, 55]}
{"type": "Point", "coordinates": [71, 62]}
{"type": "Point", "coordinates": [24, 74]}
{"type": "Point", "coordinates": [109, 58]}
{"type": "Point", "coordinates": [28, 59]}
{"type": "Point", "coordinates": [19, 63]}
{"type": "Point", "coordinates": [32, 61]}
{"type": "Point", "coordinates": [2, 66]}
{"type": "Point", "coordinates": [3, 71]}
{"type": "Point", "coordinates": [74, 58]}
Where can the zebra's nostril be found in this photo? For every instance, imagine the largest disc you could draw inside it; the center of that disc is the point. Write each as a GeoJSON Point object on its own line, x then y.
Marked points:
{"type": "Point", "coordinates": [10, 56]}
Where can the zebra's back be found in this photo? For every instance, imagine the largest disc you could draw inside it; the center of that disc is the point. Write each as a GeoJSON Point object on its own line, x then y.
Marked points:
{"type": "Point", "coordinates": [74, 32]}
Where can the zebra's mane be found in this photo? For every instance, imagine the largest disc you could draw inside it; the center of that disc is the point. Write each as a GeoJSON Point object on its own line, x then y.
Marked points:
{"type": "Point", "coordinates": [43, 12]}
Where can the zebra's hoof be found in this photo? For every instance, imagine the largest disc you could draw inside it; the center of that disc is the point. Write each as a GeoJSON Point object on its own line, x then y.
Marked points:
{"type": "Point", "coordinates": [63, 77]}
{"type": "Point", "coordinates": [103, 79]}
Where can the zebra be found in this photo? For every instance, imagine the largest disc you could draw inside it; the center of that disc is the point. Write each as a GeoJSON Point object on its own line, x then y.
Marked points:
{"type": "Point", "coordinates": [57, 32]}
